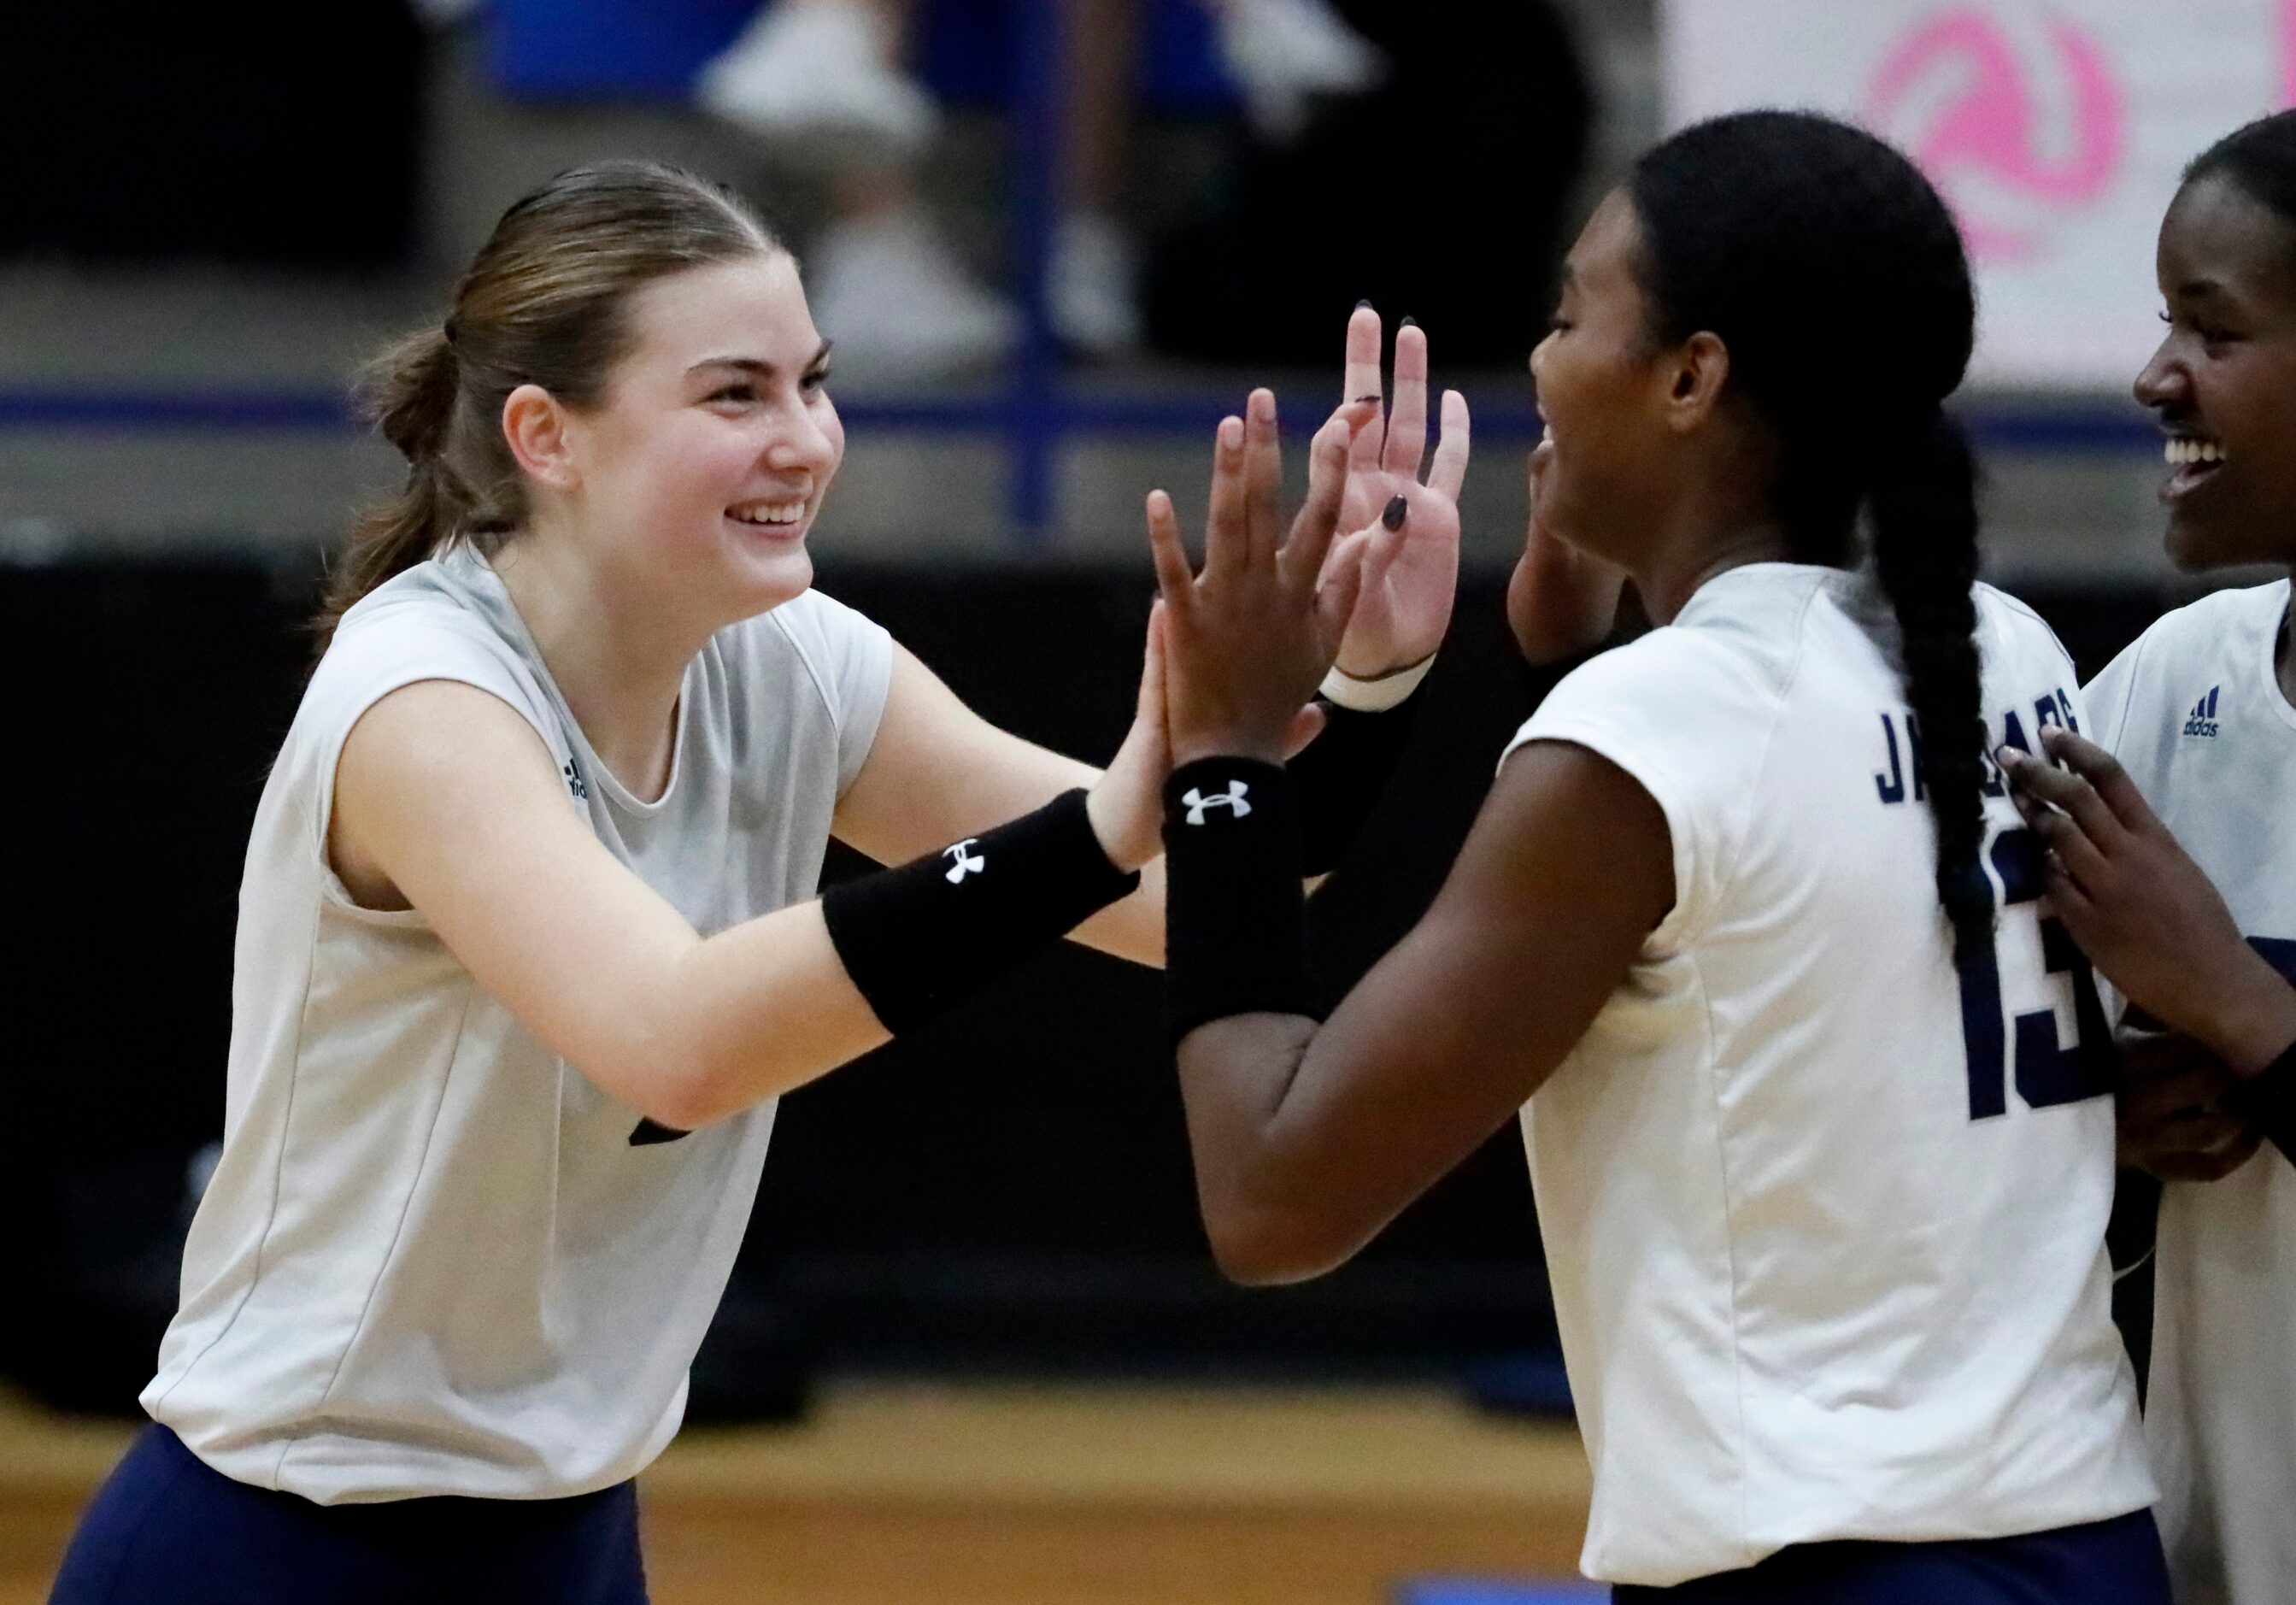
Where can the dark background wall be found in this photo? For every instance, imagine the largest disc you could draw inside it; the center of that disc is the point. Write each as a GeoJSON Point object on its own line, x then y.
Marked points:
{"type": "Point", "coordinates": [1009, 1189]}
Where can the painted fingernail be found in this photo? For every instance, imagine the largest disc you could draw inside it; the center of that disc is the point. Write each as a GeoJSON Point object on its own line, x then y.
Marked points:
{"type": "Point", "coordinates": [1397, 510]}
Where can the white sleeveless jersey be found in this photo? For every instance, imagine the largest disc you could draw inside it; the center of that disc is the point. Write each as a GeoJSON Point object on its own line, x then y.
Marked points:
{"type": "Point", "coordinates": [431, 1260]}
{"type": "Point", "coordinates": [2195, 712]}
{"type": "Point", "coordinates": [1825, 1218]}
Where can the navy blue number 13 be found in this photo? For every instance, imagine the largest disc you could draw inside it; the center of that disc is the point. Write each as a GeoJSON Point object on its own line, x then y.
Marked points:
{"type": "Point", "coordinates": [2047, 1072]}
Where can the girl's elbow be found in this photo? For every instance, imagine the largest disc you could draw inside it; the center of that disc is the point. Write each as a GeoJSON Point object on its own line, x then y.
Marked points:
{"type": "Point", "coordinates": [679, 1105]}
{"type": "Point", "coordinates": [669, 1079]}
{"type": "Point", "coordinates": [1260, 1248]}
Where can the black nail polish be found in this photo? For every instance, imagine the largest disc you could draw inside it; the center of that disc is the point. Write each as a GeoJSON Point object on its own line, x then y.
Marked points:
{"type": "Point", "coordinates": [1397, 511]}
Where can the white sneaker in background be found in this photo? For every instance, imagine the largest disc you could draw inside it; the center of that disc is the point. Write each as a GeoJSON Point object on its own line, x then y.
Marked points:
{"type": "Point", "coordinates": [821, 71]}
{"type": "Point", "coordinates": [899, 305]}
{"type": "Point", "coordinates": [1284, 52]}
{"type": "Point", "coordinates": [1093, 288]}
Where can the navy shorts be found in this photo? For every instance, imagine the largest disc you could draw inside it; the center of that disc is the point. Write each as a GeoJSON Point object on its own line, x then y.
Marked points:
{"type": "Point", "coordinates": [168, 1527]}
{"type": "Point", "coordinates": [2115, 1562]}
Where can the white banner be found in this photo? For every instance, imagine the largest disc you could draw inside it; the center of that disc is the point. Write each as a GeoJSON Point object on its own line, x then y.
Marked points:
{"type": "Point", "coordinates": [2056, 128]}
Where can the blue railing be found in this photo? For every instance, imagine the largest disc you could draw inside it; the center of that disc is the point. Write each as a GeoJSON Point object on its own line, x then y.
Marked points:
{"type": "Point", "coordinates": [1033, 416]}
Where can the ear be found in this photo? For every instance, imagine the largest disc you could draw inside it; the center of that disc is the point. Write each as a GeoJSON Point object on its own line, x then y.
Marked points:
{"type": "Point", "coordinates": [1695, 375]}
{"type": "Point", "coordinates": [534, 427]}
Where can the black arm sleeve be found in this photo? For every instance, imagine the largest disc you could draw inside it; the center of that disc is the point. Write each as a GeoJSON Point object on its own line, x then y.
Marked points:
{"type": "Point", "coordinates": [917, 938]}
{"type": "Point", "coordinates": [1235, 917]}
{"type": "Point", "coordinates": [1340, 778]}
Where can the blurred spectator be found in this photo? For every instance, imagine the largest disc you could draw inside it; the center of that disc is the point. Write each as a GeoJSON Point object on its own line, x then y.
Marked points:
{"type": "Point", "coordinates": [825, 76]}
{"type": "Point", "coordinates": [823, 68]}
{"type": "Point", "coordinates": [1285, 54]}
{"type": "Point", "coordinates": [1439, 194]}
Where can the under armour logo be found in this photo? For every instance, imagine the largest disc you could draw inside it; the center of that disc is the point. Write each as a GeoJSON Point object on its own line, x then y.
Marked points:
{"type": "Point", "coordinates": [1231, 799]}
{"type": "Point", "coordinates": [962, 863]}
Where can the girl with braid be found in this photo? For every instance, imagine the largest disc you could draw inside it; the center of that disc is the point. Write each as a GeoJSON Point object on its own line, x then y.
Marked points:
{"type": "Point", "coordinates": [1819, 1106]}
{"type": "Point", "coordinates": [529, 941]}
{"type": "Point", "coordinates": [2172, 838]}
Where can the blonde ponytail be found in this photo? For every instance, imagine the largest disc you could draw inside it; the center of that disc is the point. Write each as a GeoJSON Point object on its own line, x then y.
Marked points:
{"type": "Point", "coordinates": [410, 393]}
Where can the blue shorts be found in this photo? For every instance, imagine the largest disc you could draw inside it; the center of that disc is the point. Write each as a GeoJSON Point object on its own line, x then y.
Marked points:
{"type": "Point", "coordinates": [2115, 1562]}
{"type": "Point", "coordinates": [168, 1527]}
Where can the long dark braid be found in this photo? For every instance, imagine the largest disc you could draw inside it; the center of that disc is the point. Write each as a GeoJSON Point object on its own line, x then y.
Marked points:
{"type": "Point", "coordinates": [1833, 274]}
{"type": "Point", "coordinates": [1922, 505]}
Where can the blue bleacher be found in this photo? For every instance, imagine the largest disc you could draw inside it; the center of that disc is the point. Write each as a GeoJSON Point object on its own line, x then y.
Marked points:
{"type": "Point", "coordinates": [971, 52]}
{"type": "Point", "coordinates": [591, 50]}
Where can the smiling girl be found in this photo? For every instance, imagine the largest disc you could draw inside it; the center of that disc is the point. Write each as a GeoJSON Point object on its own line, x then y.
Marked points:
{"type": "Point", "coordinates": [1746, 922]}
{"type": "Point", "coordinates": [2173, 865]}
{"type": "Point", "coordinates": [529, 944]}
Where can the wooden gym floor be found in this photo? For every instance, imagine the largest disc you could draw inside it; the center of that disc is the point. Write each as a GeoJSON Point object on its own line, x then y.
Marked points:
{"type": "Point", "coordinates": [918, 1493]}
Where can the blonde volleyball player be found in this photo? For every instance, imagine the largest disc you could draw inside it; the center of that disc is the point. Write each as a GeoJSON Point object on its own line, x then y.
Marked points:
{"type": "Point", "coordinates": [1823, 1158]}
{"type": "Point", "coordinates": [527, 938]}
{"type": "Point", "coordinates": [2175, 867]}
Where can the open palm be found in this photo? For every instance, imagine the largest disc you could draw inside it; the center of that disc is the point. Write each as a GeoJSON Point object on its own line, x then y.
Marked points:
{"type": "Point", "coordinates": [1246, 641]}
{"type": "Point", "coordinates": [1410, 574]}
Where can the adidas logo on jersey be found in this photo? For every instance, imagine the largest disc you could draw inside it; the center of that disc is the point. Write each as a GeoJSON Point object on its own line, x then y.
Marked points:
{"type": "Point", "coordinates": [2204, 719]}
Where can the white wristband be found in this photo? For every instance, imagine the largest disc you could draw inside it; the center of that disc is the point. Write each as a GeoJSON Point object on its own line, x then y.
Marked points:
{"type": "Point", "coordinates": [1344, 690]}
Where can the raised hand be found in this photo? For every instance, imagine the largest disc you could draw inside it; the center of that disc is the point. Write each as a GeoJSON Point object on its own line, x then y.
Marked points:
{"type": "Point", "coordinates": [1560, 601]}
{"type": "Point", "coordinates": [1247, 641]}
{"type": "Point", "coordinates": [1410, 569]}
{"type": "Point", "coordinates": [2146, 915]}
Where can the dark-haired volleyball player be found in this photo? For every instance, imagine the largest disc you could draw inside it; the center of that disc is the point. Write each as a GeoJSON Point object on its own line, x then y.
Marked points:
{"type": "Point", "coordinates": [2176, 869]}
{"type": "Point", "coordinates": [527, 940]}
{"type": "Point", "coordinates": [1819, 1106]}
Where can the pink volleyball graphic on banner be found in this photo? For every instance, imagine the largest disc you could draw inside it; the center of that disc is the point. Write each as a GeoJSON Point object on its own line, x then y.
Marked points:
{"type": "Point", "coordinates": [2013, 152]}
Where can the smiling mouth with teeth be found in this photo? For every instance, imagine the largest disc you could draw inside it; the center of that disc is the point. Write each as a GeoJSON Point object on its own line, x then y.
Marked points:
{"type": "Point", "coordinates": [2189, 451]}
{"type": "Point", "coordinates": [776, 514]}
